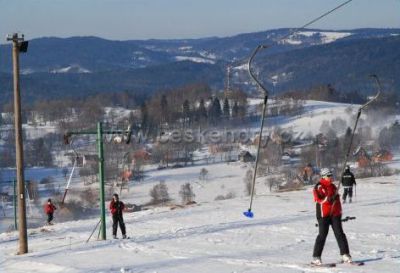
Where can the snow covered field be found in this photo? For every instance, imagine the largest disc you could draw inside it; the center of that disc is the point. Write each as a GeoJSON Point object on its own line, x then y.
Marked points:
{"type": "Point", "coordinates": [214, 236]}
{"type": "Point", "coordinates": [314, 115]}
{"type": "Point", "coordinates": [316, 112]}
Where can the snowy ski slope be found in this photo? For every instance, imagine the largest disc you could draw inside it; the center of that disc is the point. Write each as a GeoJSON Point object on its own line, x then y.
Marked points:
{"type": "Point", "coordinates": [214, 236]}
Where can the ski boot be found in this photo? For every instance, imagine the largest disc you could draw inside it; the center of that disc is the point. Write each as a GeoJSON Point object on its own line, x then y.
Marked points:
{"type": "Point", "coordinates": [124, 236]}
{"type": "Point", "coordinates": [316, 261]}
{"type": "Point", "coordinates": [350, 200]}
{"type": "Point", "coordinates": [346, 258]}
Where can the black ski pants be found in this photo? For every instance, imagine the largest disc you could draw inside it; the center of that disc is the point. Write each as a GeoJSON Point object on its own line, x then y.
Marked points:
{"type": "Point", "coordinates": [323, 225]}
{"type": "Point", "coordinates": [49, 217]}
{"type": "Point", "coordinates": [118, 219]}
{"type": "Point", "coordinates": [347, 191]}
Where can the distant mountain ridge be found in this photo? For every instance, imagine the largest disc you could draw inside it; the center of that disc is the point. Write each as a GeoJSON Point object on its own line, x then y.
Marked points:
{"type": "Point", "coordinates": [87, 65]}
{"type": "Point", "coordinates": [93, 54]}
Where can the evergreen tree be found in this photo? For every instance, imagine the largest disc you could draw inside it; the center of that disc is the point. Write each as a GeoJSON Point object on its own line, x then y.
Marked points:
{"type": "Point", "coordinates": [226, 109]}
{"type": "Point", "coordinates": [186, 112]}
{"type": "Point", "coordinates": [131, 119]}
{"type": "Point", "coordinates": [202, 112]}
{"type": "Point", "coordinates": [164, 108]}
{"type": "Point", "coordinates": [144, 124]}
{"type": "Point", "coordinates": [39, 153]}
{"type": "Point", "coordinates": [215, 111]}
{"type": "Point", "coordinates": [235, 110]}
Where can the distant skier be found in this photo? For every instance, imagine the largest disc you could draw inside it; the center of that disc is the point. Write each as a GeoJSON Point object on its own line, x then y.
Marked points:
{"type": "Point", "coordinates": [116, 208]}
{"type": "Point", "coordinates": [348, 181]}
{"type": "Point", "coordinates": [308, 173]}
{"type": "Point", "coordinates": [329, 212]}
{"type": "Point", "coordinates": [49, 209]}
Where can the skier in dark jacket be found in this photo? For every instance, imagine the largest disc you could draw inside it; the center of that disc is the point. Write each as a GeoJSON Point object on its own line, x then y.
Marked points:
{"type": "Point", "coordinates": [116, 208]}
{"type": "Point", "coordinates": [348, 181]}
{"type": "Point", "coordinates": [49, 209]}
{"type": "Point", "coordinates": [329, 212]}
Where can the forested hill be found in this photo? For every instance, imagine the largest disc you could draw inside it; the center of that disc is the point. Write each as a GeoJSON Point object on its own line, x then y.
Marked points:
{"type": "Point", "coordinates": [83, 66]}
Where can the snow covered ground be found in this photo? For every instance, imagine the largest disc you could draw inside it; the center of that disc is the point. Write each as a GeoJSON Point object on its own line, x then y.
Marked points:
{"type": "Point", "coordinates": [324, 36]}
{"type": "Point", "coordinates": [316, 112]}
{"type": "Point", "coordinates": [214, 236]}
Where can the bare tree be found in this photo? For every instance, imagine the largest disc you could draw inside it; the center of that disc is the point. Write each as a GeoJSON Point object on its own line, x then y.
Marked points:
{"type": "Point", "coordinates": [187, 193]}
{"type": "Point", "coordinates": [339, 125]}
{"type": "Point", "coordinates": [229, 195]}
{"type": "Point", "coordinates": [273, 182]}
{"type": "Point", "coordinates": [248, 182]}
{"type": "Point", "coordinates": [49, 184]}
{"type": "Point", "coordinates": [159, 193]}
{"type": "Point", "coordinates": [324, 127]}
{"type": "Point", "coordinates": [203, 174]}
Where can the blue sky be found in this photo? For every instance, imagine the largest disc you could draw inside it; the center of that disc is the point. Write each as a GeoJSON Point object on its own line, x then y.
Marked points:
{"type": "Point", "coordinates": [169, 19]}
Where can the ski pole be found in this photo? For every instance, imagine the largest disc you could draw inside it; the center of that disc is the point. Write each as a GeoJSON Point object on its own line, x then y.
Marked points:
{"type": "Point", "coordinates": [100, 229]}
{"type": "Point", "coordinates": [355, 192]}
{"type": "Point", "coordinates": [346, 219]}
{"type": "Point", "coordinates": [98, 223]}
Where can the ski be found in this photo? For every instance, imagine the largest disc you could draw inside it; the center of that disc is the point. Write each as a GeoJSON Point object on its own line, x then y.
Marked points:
{"type": "Point", "coordinates": [46, 229]}
{"type": "Point", "coordinates": [323, 265]}
{"type": "Point", "coordinates": [355, 263]}
{"type": "Point", "coordinates": [117, 238]}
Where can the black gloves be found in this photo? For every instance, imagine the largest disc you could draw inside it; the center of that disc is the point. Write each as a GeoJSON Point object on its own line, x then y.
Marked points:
{"type": "Point", "coordinates": [332, 198]}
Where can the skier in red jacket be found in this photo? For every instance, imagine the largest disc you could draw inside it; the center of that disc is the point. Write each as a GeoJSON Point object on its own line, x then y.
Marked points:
{"type": "Point", "coordinates": [49, 209]}
{"type": "Point", "coordinates": [116, 208]}
{"type": "Point", "coordinates": [329, 212]}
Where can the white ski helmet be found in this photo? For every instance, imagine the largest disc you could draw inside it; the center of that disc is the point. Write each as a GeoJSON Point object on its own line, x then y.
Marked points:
{"type": "Point", "coordinates": [326, 172]}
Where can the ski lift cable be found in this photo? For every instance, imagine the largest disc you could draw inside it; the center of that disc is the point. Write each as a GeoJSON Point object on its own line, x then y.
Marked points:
{"type": "Point", "coordinates": [294, 31]}
{"type": "Point", "coordinates": [378, 83]}
{"type": "Point", "coordinates": [297, 29]}
{"type": "Point", "coordinates": [315, 20]}
{"type": "Point", "coordinates": [249, 213]}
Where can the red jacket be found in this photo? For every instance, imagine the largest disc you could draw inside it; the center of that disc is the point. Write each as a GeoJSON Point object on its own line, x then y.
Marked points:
{"type": "Point", "coordinates": [116, 207]}
{"type": "Point", "coordinates": [49, 208]}
{"type": "Point", "coordinates": [327, 205]}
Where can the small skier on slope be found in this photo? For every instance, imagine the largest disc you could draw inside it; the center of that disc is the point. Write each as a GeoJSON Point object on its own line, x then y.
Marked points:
{"type": "Point", "coordinates": [329, 213]}
{"type": "Point", "coordinates": [348, 181]}
{"type": "Point", "coordinates": [116, 208]}
{"type": "Point", "coordinates": [49, 209]}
